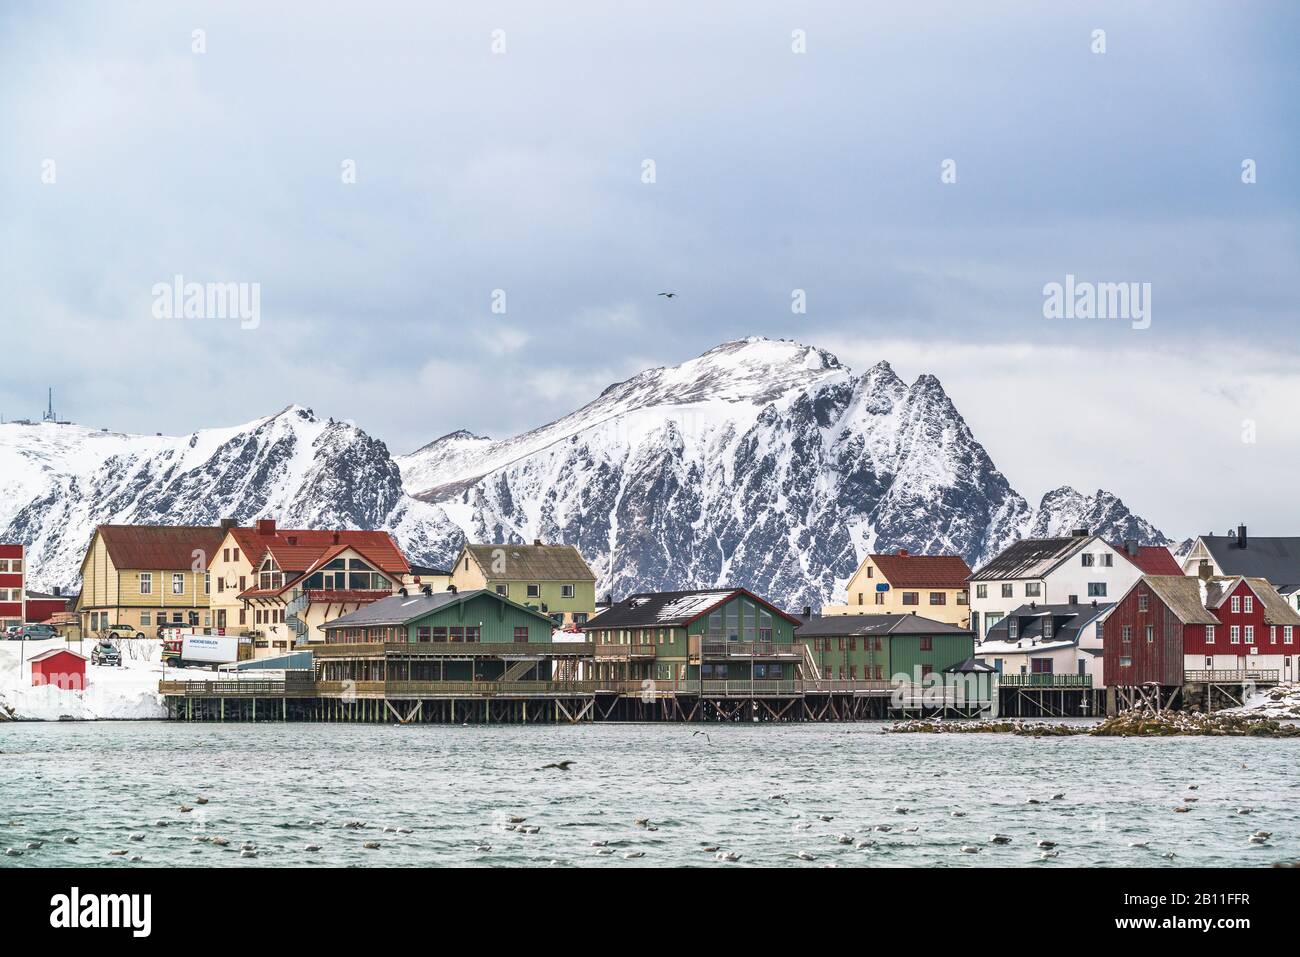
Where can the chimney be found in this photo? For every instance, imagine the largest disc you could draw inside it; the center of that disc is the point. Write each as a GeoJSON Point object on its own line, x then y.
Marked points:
{"type": "Point", "coordinates": [902, 553]}
{"type": "Point", "coordinates": [1094, 603]}
{"type": "Point", "coordinates": [1204, 572]}
{"type": "Point", "coordinates": [537, 541]}
{"type": "Point", "coordinates": [1074, 599]}
{"type": "Point", "coordinates": [1131, 546]}
{"type": "Point", "coordinates": [227, 524]}
{"type": "Point", "coordinates": [1241, 536]}
{"type": "Point", "coordinates": [336, 538]}
{"type": "Point", "coordinates": [292, 539]}
{"type": "Point", "coordinates": [807, 611]}
{"type": "Point", "coordinates": [1080, 533]}
{"type": "Point", "coordinates": [266, 526]}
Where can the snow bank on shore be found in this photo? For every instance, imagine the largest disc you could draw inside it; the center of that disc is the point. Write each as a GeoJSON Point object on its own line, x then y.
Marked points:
{"type": "Point", "coordinates": [1280, 702]}
{"type": "Point", "coordinates": [128, 691]}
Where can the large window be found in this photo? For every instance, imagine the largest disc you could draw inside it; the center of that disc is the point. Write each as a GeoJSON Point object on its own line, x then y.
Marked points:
{"type": "Point", "coordinates": [1096, 589]}
{"type": "Point", "coordinates": [178, 583]}
{"type": "Point", "coordinates": [981, 591]}
{"type": "Point", "coordinates": [1033, 589]}
{"type": "Point", "coordinates": [146, 583]}
{"type": "Point", "coordinates": [938, 598]}
{"type": "Point", "coordinates": [911, 598]}
{"type": "Point", "coordinates": [1007, 591]}
{"type": "Point", "coordinates": [521, 634]}
{"type": "Point", "coordinates": [534, 590]}
{"type": "Point", "coordinates": [566, 591]}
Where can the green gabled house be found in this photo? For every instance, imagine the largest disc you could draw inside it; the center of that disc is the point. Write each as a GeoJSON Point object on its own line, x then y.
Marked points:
{"type": "Point", "coordinates": [712, 634]}
{"type": "Point", "coordinates": [451, 636]}
{"type": "Point", "coordinates": [881, 647]}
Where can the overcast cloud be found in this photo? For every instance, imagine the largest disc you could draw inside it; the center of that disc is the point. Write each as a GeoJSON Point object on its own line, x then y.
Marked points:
{"type": "Point", "coordinates": [775, 171]}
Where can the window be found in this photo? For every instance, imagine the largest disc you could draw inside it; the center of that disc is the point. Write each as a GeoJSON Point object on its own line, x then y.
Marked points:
{"type": "Point", "coordinates": [1088, 559]}
{"type": "Point", "coordinates": [1236, 604]}
{"type": "Point", "coordinates": [178, 583]}
{"type": "Point", "coordinates": [871, 571]}
{"type": "Point", "coordinates": [534, 591]}
{"type": "Point", "coordinates": [927, 643]}
{"type": "Point", "coordinates": [1250, 604]}
{"type": "Point", "coordinates": [234, 553]}
{"type": "Point", "coordinates": [981, 591]}
{"type": "Point", "coordinates": [1048, 626]}
{"type": "Point", "coordinates": [860, 599]}
{"type": "Point", "coordinates": [146, 583]}
{"type": "Point", "coordinates": [1096, 589]}
{"type": "Point", "coordinates": [579, 617]}
{"type": "Point", "coordinates": [880, 598]}
{"type": "Point", "coordinates": [471, 632]}
{"type": "Point", "coordinates": [225, 554]}
{"type": "Point", "coordinates": [1151, 634]}
{"type": "Point", "coordinates": [1125, 661]}
{"type": "Point", "coordinates": [1101, 631]}
{"type": "Point", "coordinates": [439, 632]}
{"type": "Point", "coordinates": [1108, 560]}
{"type": "Point", "coordinates": [1250, 634]}
{"type": "Point", "coordinates": [1013, 628]}
{"type": "Point", "coordinates": [207, 583]}
{"type": "Point", "coordinates": [1033, 589]}
{"type": "Point", "coordinates": [423, 633]}
{"type": "Point", "coordinates": [1041, 666]}
{"type": "Point", "coordinates": [221, 586]}
{"type": "Point", "coordinates": [146, 619]}
{"type": "Point", "coordinates": [938, 598]}
{"type": "Point", "coordinates": [1209, 634]}
{"type": "Point", "coordinates": [503, 591]}
{"type": "Point", "coordinates": [1286, 634]}
{"type": "Point", "coordinates": [521, 634]}
{"type": "Point", "coordinates": [1126, 633]}
{"type": "Point", "coordinates": [911, 598]}
{"type": "Point", "coordinates": [963, 598]}
{"type": "Point", "coordinates": [566, 591]}
{"type": "Point", "coordinates": [1143, 602]}
{"type": "Point", "coordinates": [1209, 662]}
{"type": "Point", "coordinates": [1006, 590]}
{"type": "Point", "coordinates": [1234, 634]}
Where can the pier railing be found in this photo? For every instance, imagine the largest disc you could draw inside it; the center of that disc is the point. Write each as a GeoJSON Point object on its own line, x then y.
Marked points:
{"type": "Point", "coordinates": [624, 652]}
{"type": "Point", "coordinates": [451, 689]}
{"type": "Point", "coordinates": [1230, 676]}
{"type": "Point", "coordinates": [1045, 681]}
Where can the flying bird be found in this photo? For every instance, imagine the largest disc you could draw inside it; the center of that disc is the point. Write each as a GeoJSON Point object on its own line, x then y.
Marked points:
{"type": "Point", "coordinates": [558, 765]}
{"type": "Point", "coordinates": [668, 295]}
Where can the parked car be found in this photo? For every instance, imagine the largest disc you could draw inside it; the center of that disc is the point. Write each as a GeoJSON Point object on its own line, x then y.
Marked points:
{"type": "Point", "coordinates": [120, 631]}
{"type": "Point", "coordinates": [12, 632]}
{"type": "Point", "coordinates": [37, 632]}
{"type": "Point", "coordinates": [105, 653]}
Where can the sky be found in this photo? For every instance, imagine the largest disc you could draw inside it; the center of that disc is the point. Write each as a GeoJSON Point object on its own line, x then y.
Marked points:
{"type": "Point", "coordinates": [450, 224]}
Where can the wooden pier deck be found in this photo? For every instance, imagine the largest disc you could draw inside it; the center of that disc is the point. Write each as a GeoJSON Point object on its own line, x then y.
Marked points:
{"type": "Point", "coordinates": [300, 698]}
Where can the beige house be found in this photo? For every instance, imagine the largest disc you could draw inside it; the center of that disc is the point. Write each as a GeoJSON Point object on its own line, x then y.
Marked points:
{"type": "Point", "coordinates": [144, 576]}
{"type": "Point", "coordinates": [933, 586]}
{"type": "Point", "coordinates": [553, 579]}
{"type": "Point", "coordinates": [279, 586]}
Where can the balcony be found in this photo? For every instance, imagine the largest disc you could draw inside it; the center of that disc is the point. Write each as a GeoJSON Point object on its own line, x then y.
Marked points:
{"type": "Point", "coordinates": [1259, 675]}
{"type": "Point", "coordinates": [452, 689]}
{"type": "Point", "coordinates": [1045, 681]}
{"type": "Point", "coordinates": [357, 596]}
{"type": "Point", "coordinates": [624, 652]}
{"type": "Point", "coordinates": [751, 649]}
{"type": "Point", "coordinates": [455, 649]}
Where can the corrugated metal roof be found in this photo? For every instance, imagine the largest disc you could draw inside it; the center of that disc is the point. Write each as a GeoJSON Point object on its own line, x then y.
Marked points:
{"type": "Point", "coordinates": [160, 547]}
{"type": "Point", "coordinates": [923, 571]}
{"type": "Point", "coordinates": [673, 609]}
{"type": "Point", "coordinates": [1277, 559]}
{"type": "Point", "coordinates": [1030, 558]}
{"type": "Point", "coordinates": [539, 563]}
{"type": "Point", "coordinates": [848, 625]}
{"type": "Point", "coordinates": [401, 609]}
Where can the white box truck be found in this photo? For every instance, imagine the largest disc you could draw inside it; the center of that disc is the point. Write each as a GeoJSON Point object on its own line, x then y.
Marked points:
{"type": "Point", "coordinates": [210, 650]}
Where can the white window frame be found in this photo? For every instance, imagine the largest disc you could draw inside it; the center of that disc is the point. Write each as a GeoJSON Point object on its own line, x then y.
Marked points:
{"type": "Point", "coordinates": [1234, 635]}
{"type": "Point", "coordinates": [146, 583]}
{"type": "Point", "coordinates": [178, 583]}
{"type": "Point", "coordinates": [1236, 604]}
{"type": "Point", "coordinates": [1250, 604]}
{"type": "Point", "coordinates": [1286, 635]}
{"type": "Point", "coordinates": [1250, 634]}
{"type": "Point", "coordinates": [567, 591]}
{"type": "Point", "coordinates": [1209, 634]}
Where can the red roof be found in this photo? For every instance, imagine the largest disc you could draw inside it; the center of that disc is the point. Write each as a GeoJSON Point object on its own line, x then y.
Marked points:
{"type": "Point", "coordinates": [1152, 560]}
{"type": "Point", "coordinates": [300, 552]}
{"type": "Point", "coordinates": [146, 547]}
{"type": "Point", "coordinates": [923, 571]}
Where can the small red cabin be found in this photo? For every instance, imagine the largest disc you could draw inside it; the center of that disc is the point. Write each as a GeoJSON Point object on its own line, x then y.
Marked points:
{"type": "Point", "coordinates": [61, 668]}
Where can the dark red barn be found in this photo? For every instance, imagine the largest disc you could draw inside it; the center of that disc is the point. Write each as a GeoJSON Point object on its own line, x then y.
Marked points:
{"type": "Point", "coordinates": [61, 668]}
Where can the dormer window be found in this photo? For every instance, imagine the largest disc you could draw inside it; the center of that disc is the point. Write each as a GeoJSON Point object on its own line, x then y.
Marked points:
{"type": "Point", "coordinates": [1047, 626]}
{"type": "Point", "coordinates": [1013, 628]}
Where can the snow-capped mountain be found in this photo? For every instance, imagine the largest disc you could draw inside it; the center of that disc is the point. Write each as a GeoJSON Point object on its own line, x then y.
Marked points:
{"type": "Point", "coordinates": [57, 482]}
{"type": "Point", "coordinates": [762, 462]}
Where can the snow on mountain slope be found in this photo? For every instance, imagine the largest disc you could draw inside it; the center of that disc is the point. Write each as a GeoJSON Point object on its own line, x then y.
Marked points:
{"type": "Point", "coordinates": [60, 481]}
{"type": "Point", "coordinates": [761, 462]}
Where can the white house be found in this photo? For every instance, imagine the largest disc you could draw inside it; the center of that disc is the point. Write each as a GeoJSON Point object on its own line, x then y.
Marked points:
{"type": "Point", "coordinates": [1048, 640]}
{"type": "Point", "coordinates": [1073, 570]}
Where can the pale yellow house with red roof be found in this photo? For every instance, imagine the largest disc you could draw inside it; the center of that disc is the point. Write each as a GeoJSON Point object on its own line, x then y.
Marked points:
{"type": "Point", "coordinates": [899, 583]}
{"type": "Point", "coordinates": [279, 586]}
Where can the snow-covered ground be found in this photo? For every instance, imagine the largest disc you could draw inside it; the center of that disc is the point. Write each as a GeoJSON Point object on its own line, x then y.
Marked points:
{"type": "Point", "coordinates": [129, 691]}
{"type": "Point", "coordinates": [1280, 702]}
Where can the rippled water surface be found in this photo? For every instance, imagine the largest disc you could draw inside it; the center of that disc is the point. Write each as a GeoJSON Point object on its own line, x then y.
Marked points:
{"type": "Point", "coordinates": [453, 786]}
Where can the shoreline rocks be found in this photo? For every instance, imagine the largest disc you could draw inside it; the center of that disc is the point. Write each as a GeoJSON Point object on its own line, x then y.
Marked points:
{"type": "Point", "coordinates": [1129, 724]}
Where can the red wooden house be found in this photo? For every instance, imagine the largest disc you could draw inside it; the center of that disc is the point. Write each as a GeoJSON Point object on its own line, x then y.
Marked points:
{"type": "Point", "coordinates": [11, 585]}
{"type": "Point", "coordinates": [1167, 626]}
{"type": "Point", "coordinates": [61, 668]}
